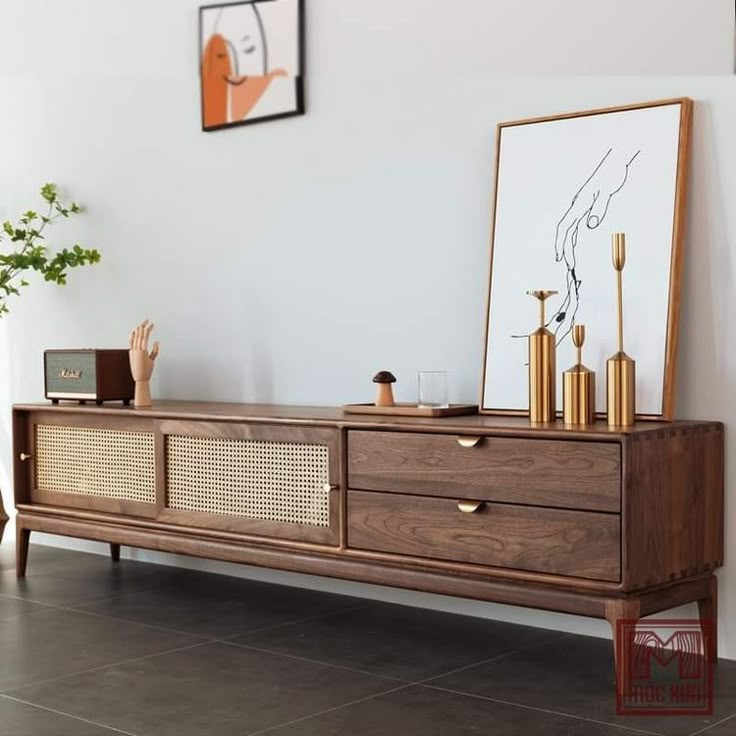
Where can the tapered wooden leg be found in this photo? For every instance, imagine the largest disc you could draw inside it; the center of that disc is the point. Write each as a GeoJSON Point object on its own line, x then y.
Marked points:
{"type": "Point", "coordinates": [621, 610]}
{"type": "Point", "coordinates": [22, 539]}
{"type": "Point", "coordinates": [115, 552]}
{"type": "Point", "coordinates": [708, 610]}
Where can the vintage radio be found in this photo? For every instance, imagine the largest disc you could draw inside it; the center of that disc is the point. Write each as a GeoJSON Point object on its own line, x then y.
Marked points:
{"type": "Point", "coordinates": [88, 375]}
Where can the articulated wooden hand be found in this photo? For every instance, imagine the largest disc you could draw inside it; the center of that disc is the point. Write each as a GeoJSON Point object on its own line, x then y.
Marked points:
{"type": "Point", "coordinates": [141, 362]}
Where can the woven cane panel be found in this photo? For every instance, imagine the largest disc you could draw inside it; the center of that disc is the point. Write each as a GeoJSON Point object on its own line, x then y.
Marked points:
{"type": "Point", "coordinates": [96, 462]}
{"type": "Point", "coordinates": [275, 481]}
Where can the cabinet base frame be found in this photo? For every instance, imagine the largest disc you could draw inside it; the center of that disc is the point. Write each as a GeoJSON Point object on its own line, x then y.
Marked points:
{"type": "Point", "coordinates": [609, 605]}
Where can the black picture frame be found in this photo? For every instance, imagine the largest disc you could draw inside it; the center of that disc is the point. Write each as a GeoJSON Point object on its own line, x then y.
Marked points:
{"type": "Point", "coordinates": [298, 79]}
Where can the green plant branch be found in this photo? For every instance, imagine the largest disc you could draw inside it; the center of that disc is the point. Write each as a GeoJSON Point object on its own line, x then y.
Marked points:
{"type": "Point", "coordinates": [33, 255]}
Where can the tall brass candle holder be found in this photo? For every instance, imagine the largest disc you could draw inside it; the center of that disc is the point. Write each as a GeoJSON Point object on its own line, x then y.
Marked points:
{"type": "Point", "coordinates": [542, 371]}
{"type": "Point", "coordinates": [620, 368]}
{"type": "Point", "coordinates": [578, 386]}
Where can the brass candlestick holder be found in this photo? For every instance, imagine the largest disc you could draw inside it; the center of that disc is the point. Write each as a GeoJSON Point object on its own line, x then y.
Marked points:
{"type": "Point", "coordinates": [542, 371]}
{"type": "Point", "coordinates": [620, 368]}
{"type": "Point", "coordinates": [578, 386]}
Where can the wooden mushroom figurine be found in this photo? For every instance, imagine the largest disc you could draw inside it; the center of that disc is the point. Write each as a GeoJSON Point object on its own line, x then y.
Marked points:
{"type": "Point", "coordinates": [385, 394]}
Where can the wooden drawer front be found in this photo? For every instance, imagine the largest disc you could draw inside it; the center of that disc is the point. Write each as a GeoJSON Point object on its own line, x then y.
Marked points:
{"type": "Point", "coordinates": [566, 474]}
{"type": "Point", "coordinates": [576, 543]}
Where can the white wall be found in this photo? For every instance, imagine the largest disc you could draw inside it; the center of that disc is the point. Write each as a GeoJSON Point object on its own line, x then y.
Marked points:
{"type": "Point", "coordinates": [288, 261]}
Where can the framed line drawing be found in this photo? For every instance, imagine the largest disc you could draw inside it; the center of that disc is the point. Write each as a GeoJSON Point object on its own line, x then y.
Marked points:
{"type": "Point", "coordinates": [564, 184]}
{"type": "Point", "coordinates": [251, 57]}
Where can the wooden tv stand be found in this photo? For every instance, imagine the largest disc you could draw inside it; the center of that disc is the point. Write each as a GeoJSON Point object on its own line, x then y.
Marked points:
{"type": "Point", "coordinates": [603, 523]}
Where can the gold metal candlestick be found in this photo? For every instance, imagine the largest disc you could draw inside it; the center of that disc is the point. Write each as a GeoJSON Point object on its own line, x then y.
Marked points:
{"type": "Point", "coordinates": [542, 372]}
{"type": "Point", "coordinates": [620, 368]}
{"type": "Point", "coordinates": [578, 386]}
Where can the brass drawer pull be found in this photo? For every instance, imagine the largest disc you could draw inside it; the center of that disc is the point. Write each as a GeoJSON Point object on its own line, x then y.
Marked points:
{"type": "Point", "coordinates": [23, 457]}
{"type": "Point", "coordinates": [470, 507]}
{"type": "Point", "coordinates": [468, 441]}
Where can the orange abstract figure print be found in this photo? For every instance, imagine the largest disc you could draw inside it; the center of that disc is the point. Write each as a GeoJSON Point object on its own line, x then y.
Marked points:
{"type": "Point", "coordinates": [234, 65]}
{"type": "Point", "coordinates": [216, 70]}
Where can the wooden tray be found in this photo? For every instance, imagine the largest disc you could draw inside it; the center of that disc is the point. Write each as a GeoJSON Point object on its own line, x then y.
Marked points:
{"type": "Point", "coordinates": [411, 410]}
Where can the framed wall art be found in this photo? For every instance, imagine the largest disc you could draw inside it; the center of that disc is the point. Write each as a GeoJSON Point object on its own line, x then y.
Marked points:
{"type": "Point", "coordinates": [251, 62]}
{"type": "Point", "coordinates": [564, 184]}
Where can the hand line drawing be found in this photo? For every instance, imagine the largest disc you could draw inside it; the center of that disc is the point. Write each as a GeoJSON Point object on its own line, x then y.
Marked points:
{"type": "Point", "coordinates": [589, 206]}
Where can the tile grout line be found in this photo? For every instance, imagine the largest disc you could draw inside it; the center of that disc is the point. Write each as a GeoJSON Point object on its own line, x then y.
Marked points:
{"type": "Point", "coordinates": [329, 710]}
{"type": "Point", "coordinates": [408, 684]}
{"type": "Point", "coordinates": [713, 725]}
{"type": "Point", "coordinates": [66, 715]}
{"type": "Point", "coordinates": [317, 662]}
{"type": "Point", "coordinates": [207, 639]}
{"type": "Point", "coordinates": [200, 643]}
{"type": "Point", "coordinates": [420, 683]}
{"type": "Point", "coordinates": [538, 709]}
{"type": "Point", "coordinates": [26, 600]}
{"type": "Point", "coordinates": [80, 601]}
{"type": "Point", "coordinates": [58, 607]}
{"type": "Point", "coordinates": [229, 578]}
{"type": "Point", "coordinates": [102, 598]}
{"type": "Point", "coordinates": [492, 659]}
{"type": "Point", "coordinates": [228, 639]}
{"type": "Point", "coordinates": [389, 677]}
{"type": "Point", "coordinates": [73, 608]}
{"type": "Point", "coordinates": [133, 622]}
{"type": "Point", "coordinates": [228, 642]}
{"type": "Point", "coordinates": [424, 683]}
{"type": "Point", "coordinates": [103, 666]}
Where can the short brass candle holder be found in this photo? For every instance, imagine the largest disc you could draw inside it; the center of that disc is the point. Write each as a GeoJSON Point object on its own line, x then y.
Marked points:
{"type": "Point", "coordinates": [620, 368]}
{"type": "Point", "coordinates": [542, 371]}
{"type": "Point", "coordinates": [578, 386]}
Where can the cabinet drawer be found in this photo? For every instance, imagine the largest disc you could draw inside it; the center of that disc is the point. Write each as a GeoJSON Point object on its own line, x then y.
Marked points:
{"type": "Point", "coordinates": [561, 473]}
{"type": "Point", "coordinates": [576, 543]}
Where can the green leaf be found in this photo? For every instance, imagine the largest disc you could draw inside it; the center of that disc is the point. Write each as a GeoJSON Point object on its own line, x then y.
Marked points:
{"type": "Point", "coordinates": [48, 192]}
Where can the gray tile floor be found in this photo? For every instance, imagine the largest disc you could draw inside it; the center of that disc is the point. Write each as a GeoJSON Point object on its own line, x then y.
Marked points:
{"type": "Point", "coordinates": [89, 648]}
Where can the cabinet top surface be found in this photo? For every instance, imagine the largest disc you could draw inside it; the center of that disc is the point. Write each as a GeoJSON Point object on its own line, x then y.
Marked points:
{"type": "Point", "coordinates": [336, 417]}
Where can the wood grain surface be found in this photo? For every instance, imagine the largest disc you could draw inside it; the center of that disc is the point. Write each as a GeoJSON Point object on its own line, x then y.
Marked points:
{"type": "Point", "coordinates": [674, 505]}
{"type": "Point", "coordinates": [577, 475]}
{"type": "Point", "coordinates": [575, 543]}
{"type": "Point", "coordinates": [509, 426]}
{"type": "Point", "coordinates": [597, 521]}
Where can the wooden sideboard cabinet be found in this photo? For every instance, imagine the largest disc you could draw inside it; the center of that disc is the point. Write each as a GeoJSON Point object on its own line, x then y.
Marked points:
{"type": "Point", "coordinates": [615, 524]}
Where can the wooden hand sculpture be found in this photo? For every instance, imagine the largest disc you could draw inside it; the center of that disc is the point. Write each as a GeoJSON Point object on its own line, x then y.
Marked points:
{"type": "Point", "coordinates": [141, 362]}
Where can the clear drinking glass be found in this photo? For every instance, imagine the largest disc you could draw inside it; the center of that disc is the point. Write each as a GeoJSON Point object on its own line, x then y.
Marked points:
{"type": "Point", "coordinates": [433, 390]}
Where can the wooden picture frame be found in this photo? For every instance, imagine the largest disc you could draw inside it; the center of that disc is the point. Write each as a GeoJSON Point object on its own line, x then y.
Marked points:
{"type": "Point", "coordinates": [252, 62]}
{"type": "Point", "coordinates": [645, 146]}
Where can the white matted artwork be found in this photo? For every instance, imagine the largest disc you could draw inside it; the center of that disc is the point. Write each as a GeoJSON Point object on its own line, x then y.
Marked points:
{"type": "Point", "coordinates": [564, 184]}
